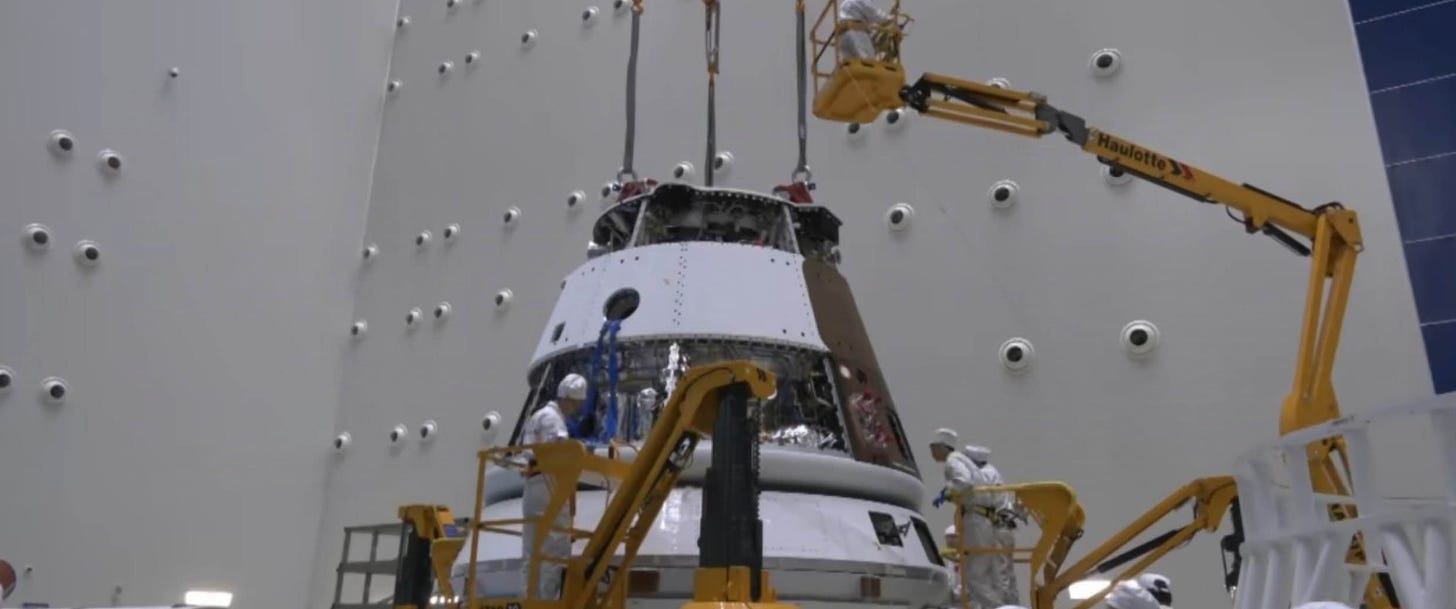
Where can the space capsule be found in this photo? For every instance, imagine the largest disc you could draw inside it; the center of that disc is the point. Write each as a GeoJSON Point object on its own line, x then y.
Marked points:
{"type": "Point", "coordinates": [681, 275]}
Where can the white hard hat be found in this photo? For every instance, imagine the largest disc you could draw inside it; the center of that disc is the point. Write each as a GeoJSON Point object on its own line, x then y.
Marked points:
{"type": "Point", "coordinates": [1129, 595]}
{"type": "Point", "coordinates": [950, 530]}
{"type": "Point", "coordinates": [573, 387]}
{"type": "Point", "coordinates": [978, 453]}
{"type": "Point", "coordinates": [1323, 605]}
{"type": "Point", "coordinates": [1153, 580]}
{"type": "Point", "coordinates": [945, 436]}
{"type": "Point", "coordinates": [1159, 586]}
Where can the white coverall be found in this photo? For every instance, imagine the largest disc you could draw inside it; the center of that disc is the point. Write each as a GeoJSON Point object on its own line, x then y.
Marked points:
{"type": "Point", "coordinates": [1158, 586]}
{"type": "Point", "coordinates": [545, 425]}
{"type": "Point", "coordinates": [855, 43]}
{"type": "Point", "coordinates": [978, 579]}
{"type": "Point", "coordinates": [1005, 539]}
{"type": "Point", "coordinates": [1129, 595]}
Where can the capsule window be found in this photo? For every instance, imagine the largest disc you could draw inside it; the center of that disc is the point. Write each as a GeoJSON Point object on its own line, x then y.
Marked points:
{"type": "Point", "coordinates": [621, 304]}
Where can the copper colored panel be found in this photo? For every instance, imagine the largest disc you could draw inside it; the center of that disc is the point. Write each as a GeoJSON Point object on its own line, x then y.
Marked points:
{"type": "Point", "coordinates": [872, 423]}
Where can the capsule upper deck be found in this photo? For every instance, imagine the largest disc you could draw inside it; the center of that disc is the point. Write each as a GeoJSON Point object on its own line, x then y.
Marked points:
{"type": "Point", "coordinates": [679, 213]}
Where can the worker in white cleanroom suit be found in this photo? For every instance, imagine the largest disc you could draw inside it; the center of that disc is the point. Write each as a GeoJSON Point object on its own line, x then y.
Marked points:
{"type": "Point", "coordinates": [978, 578]}
{"type": "Point", "coordinates": [952, 541]}
{"type": "Point", "coordinates": [858, 43]}
{"type": "Point", "coordinates": [1129, 595]}
{"type": "Point", "coordinates": [1159, 586]}
{"type": "Point", "coordinates": [1002, 523]}
{"type": "Point", "coordinates": [952, 559]}
{"type": "Point", "coordinates": [548, 424]}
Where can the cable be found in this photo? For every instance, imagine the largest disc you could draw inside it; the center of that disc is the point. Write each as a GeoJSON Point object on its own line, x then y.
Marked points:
{"type": "Point", "coordinates": [629, 145]}
{"type": "Point", "coordinates": [801, 171]}
{"type": "Point", "coordinates": [710, 47]}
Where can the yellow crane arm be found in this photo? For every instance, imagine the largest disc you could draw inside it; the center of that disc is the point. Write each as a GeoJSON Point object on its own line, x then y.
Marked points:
{"type": "Point", "coordinates": [1211, 497]}
{"type": "Point", "coordinates": [1332, 231]}
{"type": "Point", "coordinates": [1060, 518]}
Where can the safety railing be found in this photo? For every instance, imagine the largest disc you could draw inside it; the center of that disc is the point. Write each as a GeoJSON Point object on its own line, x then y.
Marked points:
{"type": "Point", "coordinates": [1295, 553]}
{"type": "Point", "coordinates": [856, 85]}
{"type": "Point", "coordinates": [566, 465]}
{"type": "Point", "coordinates": [369, 567]}
{"type": "Point", "coordinates": [1053, 507]}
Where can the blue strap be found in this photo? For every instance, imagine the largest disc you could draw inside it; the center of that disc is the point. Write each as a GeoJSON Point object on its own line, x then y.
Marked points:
{"type": "Point", "coordinates": [609, 420]}
{"type": "Point", "coordinates": [573, 430]}
{"type": "Point", "coordinates": [589, 407]}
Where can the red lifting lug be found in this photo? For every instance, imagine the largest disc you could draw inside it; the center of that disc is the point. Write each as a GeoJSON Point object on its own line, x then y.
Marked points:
{"type": "Point", "coordinates": [636, 187]}
{"type": "Point", "coordinates": [798, 192]}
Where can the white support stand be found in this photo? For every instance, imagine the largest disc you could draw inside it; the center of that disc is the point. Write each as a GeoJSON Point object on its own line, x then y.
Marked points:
{"type": "Point", "coordinates": [1293, 553]}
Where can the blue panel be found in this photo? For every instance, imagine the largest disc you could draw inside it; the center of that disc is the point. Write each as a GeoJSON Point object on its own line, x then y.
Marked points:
{"type": "Point", "coordinates": [1416, 121]}
{"type": "Point", "coordinates": [1409, 47]}
{"type": "Point", "coordinates": [1425, 198]}
{"type": "Point", "coordinates": [1433, 278]}
{"type": "Point", "coordinates": [1361, 10]}
{"type": "Point", "coordinates": [1441, 352]}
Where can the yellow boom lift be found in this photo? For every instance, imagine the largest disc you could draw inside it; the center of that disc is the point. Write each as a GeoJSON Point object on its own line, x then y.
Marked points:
{"type": "Point", "coordinates": [856, 89]}
{"type": "Point", "coordinates": [709, 400]}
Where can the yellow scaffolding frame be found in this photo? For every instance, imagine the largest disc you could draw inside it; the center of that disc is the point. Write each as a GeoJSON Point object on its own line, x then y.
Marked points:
{"type": "Point", "coordinates": [596, 578]}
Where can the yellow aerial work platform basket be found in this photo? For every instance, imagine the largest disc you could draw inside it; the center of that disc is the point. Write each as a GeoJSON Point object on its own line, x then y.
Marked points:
{"type": "Point", "coordinates": [856, 87]}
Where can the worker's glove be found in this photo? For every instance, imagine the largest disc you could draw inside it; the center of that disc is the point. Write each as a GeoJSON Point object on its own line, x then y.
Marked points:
{"type": "Point", "coordinates": [940, 500]}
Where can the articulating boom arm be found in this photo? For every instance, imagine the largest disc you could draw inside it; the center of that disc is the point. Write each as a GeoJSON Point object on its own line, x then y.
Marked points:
{"type": "Point", "coordinates": [1211, 496]}
{"type": "Point", "coordinates": [1054, 507]}
{"type": "Point", "coordinates": [1332, 232]}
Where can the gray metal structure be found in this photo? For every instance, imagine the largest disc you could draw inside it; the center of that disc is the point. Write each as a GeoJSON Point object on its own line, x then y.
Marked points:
{"type": "Point", "coordinates": [207, 357]}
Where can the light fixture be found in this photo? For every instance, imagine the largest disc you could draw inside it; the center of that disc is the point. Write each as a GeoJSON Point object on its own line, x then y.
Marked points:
{"type": "Point", "coordinates": [208, 598]}
{"type": "Point", "coordinates": [1087, 588]}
